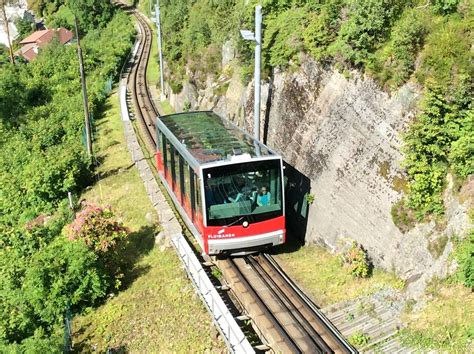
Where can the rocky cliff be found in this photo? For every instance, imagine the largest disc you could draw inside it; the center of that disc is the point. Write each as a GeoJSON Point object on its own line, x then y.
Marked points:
{"type": "Point", "coordinates": [343, 135]}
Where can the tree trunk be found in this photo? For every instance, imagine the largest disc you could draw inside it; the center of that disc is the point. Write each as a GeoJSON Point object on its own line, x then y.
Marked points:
{"type": "Point", "coordinates": [5, 23]}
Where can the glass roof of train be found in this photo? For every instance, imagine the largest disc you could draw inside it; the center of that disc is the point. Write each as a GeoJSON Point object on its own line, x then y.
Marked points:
{"type": "Point", "coordinates": [209, 137]}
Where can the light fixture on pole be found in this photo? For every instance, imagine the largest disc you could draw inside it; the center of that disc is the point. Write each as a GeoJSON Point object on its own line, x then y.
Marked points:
{"type": "Point", "coordinates": [257, 38]}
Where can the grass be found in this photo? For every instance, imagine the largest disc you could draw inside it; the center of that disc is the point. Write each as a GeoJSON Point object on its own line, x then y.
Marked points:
{"type": "Point", "coordinates": [158, 311]}
{"type": "Point", "coordinates": [326, 281]}
{"type": "Point", "coordinates": [445, 324]}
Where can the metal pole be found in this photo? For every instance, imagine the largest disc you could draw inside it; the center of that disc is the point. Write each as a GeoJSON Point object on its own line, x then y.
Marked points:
{"type": "Point", "coordinates": [158, 26]}
{"type": "Point", "coordinates": [258, 51]}
{"type": "Point", "coordinates": [84, 92]}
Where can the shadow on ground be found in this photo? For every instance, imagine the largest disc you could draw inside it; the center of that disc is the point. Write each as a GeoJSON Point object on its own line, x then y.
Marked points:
{"type": "Point", "coordinates": [140, 244]}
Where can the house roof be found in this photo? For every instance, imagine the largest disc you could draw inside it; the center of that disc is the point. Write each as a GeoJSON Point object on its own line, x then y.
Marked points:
{"type": "Point", "coordinates": [64, 35]}
{"type": "Point", "coordinates": [39, 39]}
{"type": "Point", "coordinates": [35, 36]}
{"type": "Point", "coordinates": [28, 51]}
{"type": "Point", "coordinates": [44, 36]}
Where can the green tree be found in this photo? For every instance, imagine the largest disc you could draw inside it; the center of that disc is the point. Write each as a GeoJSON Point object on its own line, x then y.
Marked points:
{"type": "Point", "coordinates": [25, 26]}
{"type": "Point", "coordinates": [91, 13]}
{"type": "Point", "coordinates": [368, 24]}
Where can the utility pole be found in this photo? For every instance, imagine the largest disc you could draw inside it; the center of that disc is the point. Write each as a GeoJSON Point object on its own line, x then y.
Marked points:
{"type": "Point", "coordinates": [158, 27]}
{"type": "Point", "coordinates": [257, 38]}
{"type": "Point", "coordinates": [5, 23]}
{"type": "Point", "coordinates": [84, 92]}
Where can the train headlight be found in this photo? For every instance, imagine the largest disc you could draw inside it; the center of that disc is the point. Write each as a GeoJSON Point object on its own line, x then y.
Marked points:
{"type": "Point", "coordinates": [245, 224]}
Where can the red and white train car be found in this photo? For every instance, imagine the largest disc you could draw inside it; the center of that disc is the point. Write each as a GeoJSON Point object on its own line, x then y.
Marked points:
{"type": "Point", "coordinates": [227, 186]}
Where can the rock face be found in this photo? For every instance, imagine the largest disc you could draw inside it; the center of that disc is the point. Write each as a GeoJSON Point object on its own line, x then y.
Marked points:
{"type": "Point", "coordinates": [13, 10]}
{"type": "Point", "coordinates": [343, 135]}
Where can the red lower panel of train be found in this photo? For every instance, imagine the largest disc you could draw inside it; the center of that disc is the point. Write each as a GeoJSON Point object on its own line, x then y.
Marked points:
{"type": "Point", "coordinates": [239, 231]}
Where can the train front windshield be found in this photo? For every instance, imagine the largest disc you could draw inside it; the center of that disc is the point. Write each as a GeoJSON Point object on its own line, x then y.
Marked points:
{"type": "Point", "coordinates": [250, 191]}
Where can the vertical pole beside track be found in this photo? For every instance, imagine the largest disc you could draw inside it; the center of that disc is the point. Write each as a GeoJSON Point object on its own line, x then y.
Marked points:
{"type": "Point", "coordinates": [158, 27]}
{"type": "Point", "coordinates": [84, 92]}
{"type": "Point", "coordinates": [258, 51]}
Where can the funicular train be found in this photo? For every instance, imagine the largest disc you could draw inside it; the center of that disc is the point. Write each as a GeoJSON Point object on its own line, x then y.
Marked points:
{"type": "Point", "coordinates": [227, 186]}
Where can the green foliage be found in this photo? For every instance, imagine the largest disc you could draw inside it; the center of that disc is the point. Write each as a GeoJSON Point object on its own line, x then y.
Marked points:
{"type": "Point", "coordinates": [322, 29]}
{"type": "Point", "coordinates": [4, 55]}
{"type": "Point", "coordinates": [402, 216]}
{"type": "Point", "coordinates": [310, 198]}
{"type": "Point", "coordinates": [63, 274]}
{"type": "Point", "coordinates": [464, 255]}
{"type": "Point", "coordinates": [25, 26]}
{"type": "Point", "coordinates": [446, 56]}
{"type": "Point", "coordinates": [368, 24]}
{"type": "Point", "coordinates": [42, 158]}
{"type": "Point", "coordinates": [357, 260]}
{"type": "Point", "coordinates": [431, 140]}
{"type": "Point", "coordinates": [445, 6]}
{"type": "Point", "coordinates": [283, 38]}
{"type": "Point", "coordinates": [395, 62]}
{"type": "Point", "coordinates": [63, 17]}
{"type": "Point", "coordinates": [359, 339]}
{"type": "Point", "coordinates": [91, 14]}
{"type": "Point", "coordinates": [103, 235]}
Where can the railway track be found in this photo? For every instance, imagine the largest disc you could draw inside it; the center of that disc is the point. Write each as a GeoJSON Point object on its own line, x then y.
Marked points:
{"type": "Point", "coordinates": [281, 314]}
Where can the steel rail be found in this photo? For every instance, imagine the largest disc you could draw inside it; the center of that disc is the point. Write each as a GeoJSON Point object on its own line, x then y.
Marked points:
{"type": "Point", "coordinates": [291, 308]}
{"type": "Point", "coordinates": [263, 307]}
{"type": "Point", "coordinates": [331, 329]}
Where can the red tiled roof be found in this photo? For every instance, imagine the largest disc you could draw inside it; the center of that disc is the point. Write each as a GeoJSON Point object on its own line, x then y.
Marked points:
{"type": "Point", "coordinates": [30, 53]}
{"type": "Point", "coordinates": [35, 36]}
{"type": "Point", "coordinates": [39, 39]}
{"type": "Point", "coordinates": [64, 35]}
{"type": "Point", "coordinates": [45, 36]}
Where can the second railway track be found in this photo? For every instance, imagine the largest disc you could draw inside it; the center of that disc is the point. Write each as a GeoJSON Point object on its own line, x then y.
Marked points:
{"type": "Point", "coordinates": [281, 314]}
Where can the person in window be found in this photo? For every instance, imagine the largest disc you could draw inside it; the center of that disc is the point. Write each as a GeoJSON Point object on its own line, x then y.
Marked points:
{"type": "Point", "coordinates": [242, 194]}
{"type": "Point", "coordinates": [263, 197]}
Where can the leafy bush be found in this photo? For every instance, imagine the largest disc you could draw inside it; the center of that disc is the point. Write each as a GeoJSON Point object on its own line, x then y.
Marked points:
{"type": "Point", "coordinates": [283, 38]}
{"type": "Point", "coordinates": [63, 274]}
{"type": "Point", "coordinates": [395, 62]}
{"type": "Point", "coordinates": [103, 235]}
{"type": "Point", "coordinates": [402, 216]}
{"type": "Point", "coordinates": [434, 138]}
{"type": "Point", "coordinates": [446, 55]}
{"type": "Point", "coordinates": [368, 24]}
{"type": "Point", "coordinates": [464, 255]}
{"type": "Point", "coordinates": [357, 260]}
{"type": "Point", "coordinates": [445, 6]}
{"type": "Point", "coordinates": [321, 30]}
{"type": "Point", "coordinates": [359, 339]}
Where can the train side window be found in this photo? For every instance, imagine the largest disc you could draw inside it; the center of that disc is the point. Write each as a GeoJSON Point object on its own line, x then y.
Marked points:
{"type": "Point", "coordinates": [169, 159]}
{"type": "Point", "coordinates": [182, 173]}
{"type": "Point", "coordinates": [163, 151]}
{"type": "Point", "coordinates": [171, 163]}
{"type": "Point", "coordinates": [192, 193]}
{"type": "Point", "coordinates": [187, 179]}
{"type": "Point", "coordinates": [198, 193]}
{"type": "Point", "coordinates": [177, 173]}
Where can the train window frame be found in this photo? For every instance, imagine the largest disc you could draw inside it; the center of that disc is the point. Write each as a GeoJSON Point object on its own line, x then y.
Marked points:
{"type": "Point", "coordinates": [164, 154]}
{"type": "Point", "coordinates": [271, 168]}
